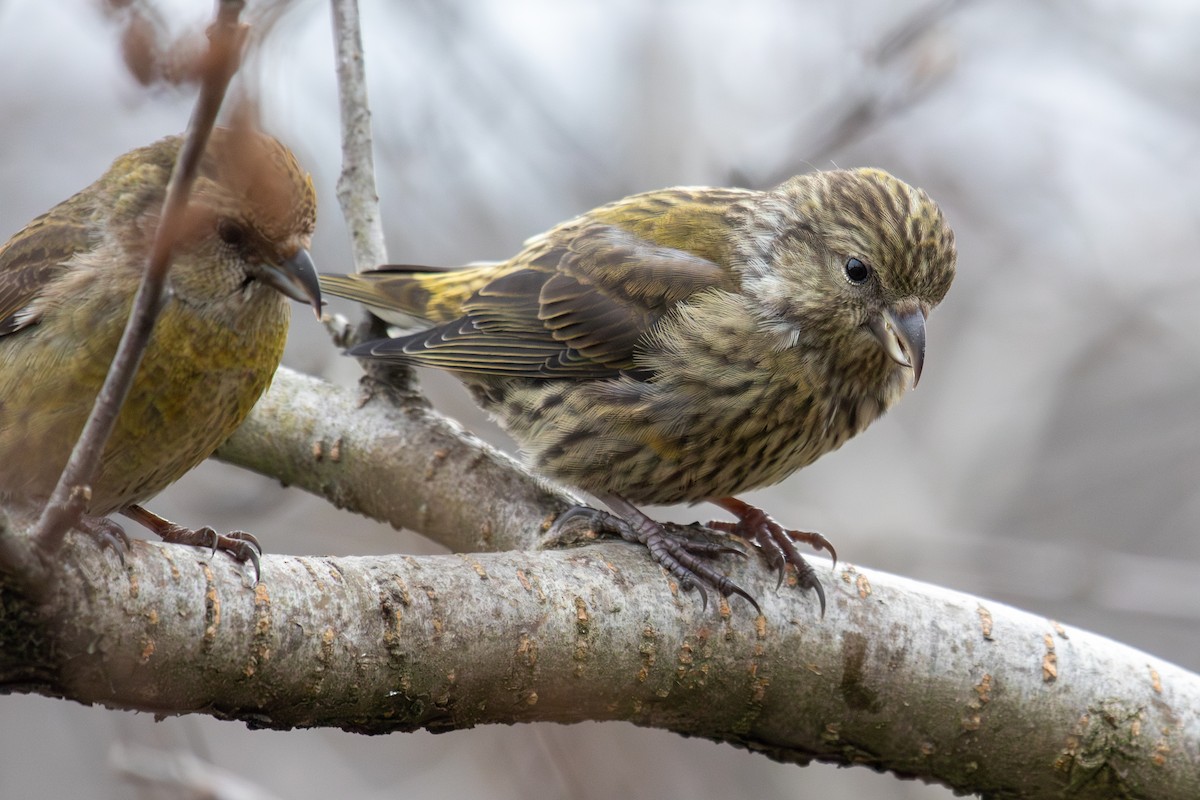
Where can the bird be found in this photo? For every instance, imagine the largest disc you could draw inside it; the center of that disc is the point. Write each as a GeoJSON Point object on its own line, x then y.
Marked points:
{"type": "Point", "coordinates": [67, 284]}
{"type": "Point", "coordinates": [687, 344]}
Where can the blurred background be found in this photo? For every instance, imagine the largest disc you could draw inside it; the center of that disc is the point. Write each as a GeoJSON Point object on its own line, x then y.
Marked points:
{"type": "Point", "coordinates": [1049, 460]}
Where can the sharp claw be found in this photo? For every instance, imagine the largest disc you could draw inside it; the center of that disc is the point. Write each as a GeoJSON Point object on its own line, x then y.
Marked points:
{"type": "Point", "coordinates": [814, 540]}
{"type": "Point", "coordinates": [212, 536]}
{"type": "Point", "coordinates": [242, 547]}
{"type": "Point", "coordinates": [108, 534]}
{"type": "Point", "coordinates": [117, 545]}
{"type": "Point", "coordinates": [248, 539]}
{"type": "Point", "coordinates": [597, 520]}
{"type": "Point", "coordinates": [253, 558]}
{"type": "Point", "coordinates": [110, 541]}
{"type": "Point", "coordinates": [575, 511]}
{"type": "Point", "coordinates": [735, 589]}
{"type": "Point", "coordinates": [832, 552]}
{"type": "Point", "coordinates": [776, 542]}
{"type": "Point", "coordinates": [806, 578]}
{"type": "Point", "coordinates": [673, 549]}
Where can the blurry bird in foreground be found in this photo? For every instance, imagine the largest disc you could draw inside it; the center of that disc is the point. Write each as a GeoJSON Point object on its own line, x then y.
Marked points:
{"type": "Point", "coordinates": [688, 344]}
{"type": "Point", "coordinates": [67, 282]}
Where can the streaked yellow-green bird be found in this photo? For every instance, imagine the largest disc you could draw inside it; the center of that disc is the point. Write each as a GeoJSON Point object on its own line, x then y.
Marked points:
{"type": "Point", "coordinates": [67, 282]}
{"type": "Point", "coordinates": [688, 344]}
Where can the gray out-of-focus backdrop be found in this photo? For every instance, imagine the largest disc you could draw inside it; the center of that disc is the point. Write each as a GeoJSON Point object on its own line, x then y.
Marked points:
{"type": "Point", "coordinates": [1050, 458]}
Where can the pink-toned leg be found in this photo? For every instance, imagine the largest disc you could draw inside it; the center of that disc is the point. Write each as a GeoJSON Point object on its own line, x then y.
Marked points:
{"type": "Point", "coordinates": [242, 546]}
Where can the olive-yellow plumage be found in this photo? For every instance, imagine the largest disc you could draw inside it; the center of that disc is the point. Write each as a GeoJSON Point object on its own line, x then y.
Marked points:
{"type": "Point", "coordinates": [688, 344]}
{"type": "Point", "coordinates": [67, 282]}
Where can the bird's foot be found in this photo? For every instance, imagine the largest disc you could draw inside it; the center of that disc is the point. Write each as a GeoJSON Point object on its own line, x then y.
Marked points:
{"type": "Point", "coordinates": [241, 546]}
{"type": "Point", "coordinates": [677, 548]}
{"type": "Point", "coordinates": [695, 538]}
{"type": "Point", "coordinates": [776, 541]}
{"type": "Point", "coordinates": [108, 534]}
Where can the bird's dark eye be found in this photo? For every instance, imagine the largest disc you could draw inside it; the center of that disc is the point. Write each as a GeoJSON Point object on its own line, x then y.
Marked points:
{"type": "Point", "coordinates": [856, 271]}
{"type": "Point", "coordinates": [231, 233]}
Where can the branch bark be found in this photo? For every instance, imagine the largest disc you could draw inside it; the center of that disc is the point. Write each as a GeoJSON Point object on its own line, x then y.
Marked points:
{"type": "Point", "coordinates": [385, 454]}
{"type": "Point", "coordinates": [899, 676]}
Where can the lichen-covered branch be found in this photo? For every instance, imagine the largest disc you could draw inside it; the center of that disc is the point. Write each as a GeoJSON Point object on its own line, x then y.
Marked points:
{"type": "Point", "coordinates": [899, 676]}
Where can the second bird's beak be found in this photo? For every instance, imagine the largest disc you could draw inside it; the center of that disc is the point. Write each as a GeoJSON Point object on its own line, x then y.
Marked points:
{"type": "Point", "coordinates": [901, 332]}
{"type": "Point", "coordinates": [296, 278]}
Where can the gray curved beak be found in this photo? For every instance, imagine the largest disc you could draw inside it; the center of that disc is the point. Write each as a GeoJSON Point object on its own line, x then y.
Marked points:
{"type": "Point", "coordinates": [901, 334]}
{"type": "Point", "coordinates": [296, 278]}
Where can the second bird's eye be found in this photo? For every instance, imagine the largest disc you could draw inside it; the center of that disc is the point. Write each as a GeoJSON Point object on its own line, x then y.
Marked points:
{"type": "Point", "coordinates": [231, 233]}
{"type": "Point", "coordinates": [857, 271]}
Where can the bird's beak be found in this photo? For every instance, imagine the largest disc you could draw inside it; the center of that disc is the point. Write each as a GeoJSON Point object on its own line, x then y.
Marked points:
{"type": "Point", "coordinates": [296, 278]}
{"type": "Point", "coordinates": [901, 332]}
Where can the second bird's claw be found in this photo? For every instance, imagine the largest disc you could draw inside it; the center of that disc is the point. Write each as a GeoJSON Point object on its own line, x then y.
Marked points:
{"type": "Point", "coordinates": [674, 547]}
{"type": "Point", "coordinates": [777, 543]}
{"type": "Point", "coordinates": [597, 520]}
{"type": "Point", "coordinates": [672, 552]}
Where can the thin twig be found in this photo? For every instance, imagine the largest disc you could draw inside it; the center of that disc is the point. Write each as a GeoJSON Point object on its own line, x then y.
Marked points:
{"type": "Point", "coordinates": [71, 495]}
{"type": "Point", "coordinates": [356, 185]}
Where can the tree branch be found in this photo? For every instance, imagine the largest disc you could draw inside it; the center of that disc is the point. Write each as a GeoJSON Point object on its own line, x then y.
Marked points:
{"type": "Point", "coordinates": [386, 454]}
{"type": "Point", "coordinates": [899, 676]}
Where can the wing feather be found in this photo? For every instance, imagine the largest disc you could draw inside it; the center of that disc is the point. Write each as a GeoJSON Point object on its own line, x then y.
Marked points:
{"type": "Point", "coordinates": [577, 304]}
{"type": "Point", "coordinates": [34, 257]}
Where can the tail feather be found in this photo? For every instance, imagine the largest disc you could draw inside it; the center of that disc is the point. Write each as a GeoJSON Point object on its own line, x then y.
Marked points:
{"type": "Point", "coordinates": [409, 295]}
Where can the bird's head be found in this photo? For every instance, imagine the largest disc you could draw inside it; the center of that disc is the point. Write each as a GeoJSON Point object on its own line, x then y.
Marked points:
{"type": "Point", "coordinates": [249, 221]}
{"type": "Point", "coordinates": [849, 263]}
